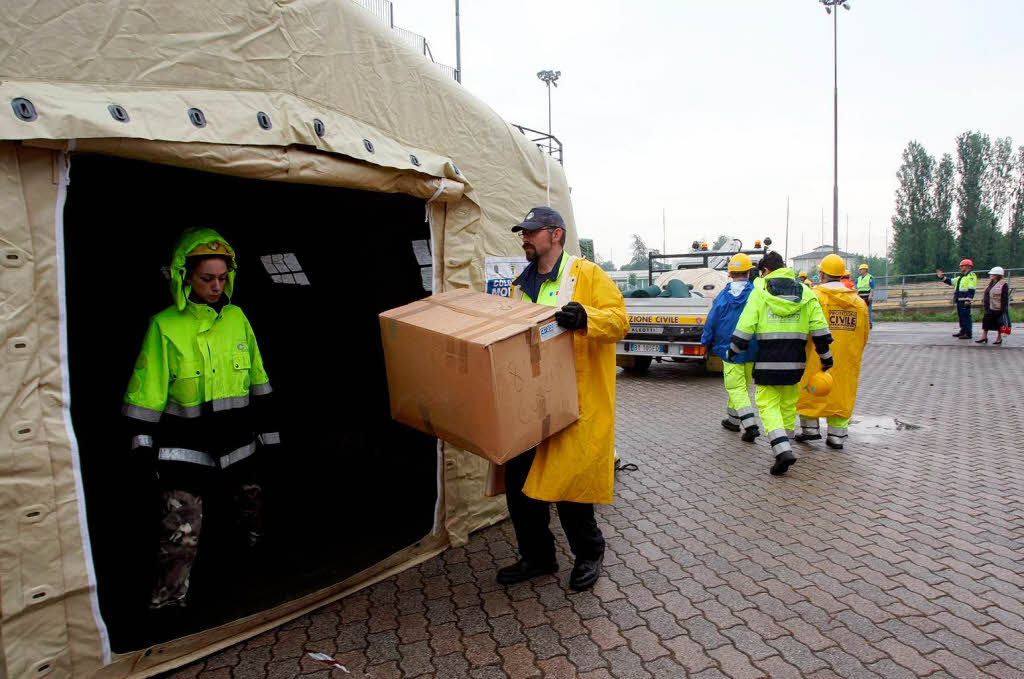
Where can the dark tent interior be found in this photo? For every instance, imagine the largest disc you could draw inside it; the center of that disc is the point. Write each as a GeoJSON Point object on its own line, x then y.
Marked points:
{"type": "Point", "coordinates": [348, 486]}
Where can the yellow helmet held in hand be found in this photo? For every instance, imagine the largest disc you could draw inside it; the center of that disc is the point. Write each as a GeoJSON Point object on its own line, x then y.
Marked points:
{"type": "Point", "coordinates": [740, 262]}
{"type": "Point", "coordinates": [833, 265]}
{"type": "Point", "coordinates": [820, 384]}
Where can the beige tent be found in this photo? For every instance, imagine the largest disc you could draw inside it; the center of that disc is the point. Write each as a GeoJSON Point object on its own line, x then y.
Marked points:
{"type": "Point", "coordinates": [168, 106]}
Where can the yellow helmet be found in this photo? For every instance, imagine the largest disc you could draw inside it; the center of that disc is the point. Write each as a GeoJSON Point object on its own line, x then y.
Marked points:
{"type": "Point", "coordinates": [803, 274]}
{"type": "Point", "coordinates": [820, 384]}
{"type": "Point", "coordinates": [863, 266]}
{"type": "Point", "coordinates": [833, 265]}
{"type": "Point", "coordinates": [740, 262]}
{"type": "Point", "coordinates": [846, 274]}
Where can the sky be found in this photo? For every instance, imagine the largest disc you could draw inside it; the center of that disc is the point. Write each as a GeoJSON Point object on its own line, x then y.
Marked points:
{"type": "Point", "coordinates": [719, 112]}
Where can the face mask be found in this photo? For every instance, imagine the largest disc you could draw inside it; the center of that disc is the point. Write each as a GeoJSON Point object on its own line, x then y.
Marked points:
{"type": "Point", "coordinates": [736, 287]}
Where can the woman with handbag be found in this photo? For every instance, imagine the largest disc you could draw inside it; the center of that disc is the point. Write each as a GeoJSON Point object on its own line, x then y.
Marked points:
{"type": "Point", "coordinates": [997, 305]}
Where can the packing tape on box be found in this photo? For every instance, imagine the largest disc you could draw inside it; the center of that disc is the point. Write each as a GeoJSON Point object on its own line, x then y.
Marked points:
{"type": "Point", "coordinates": [534, 339]}
{"type": "Point", "coordinates": [456, 352]}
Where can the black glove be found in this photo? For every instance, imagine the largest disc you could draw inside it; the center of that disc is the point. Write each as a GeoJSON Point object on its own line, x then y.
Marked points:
{"type": "Point", "coordinates": [572, 316]}
{"type": "Point", "coordinates": [826, 363]}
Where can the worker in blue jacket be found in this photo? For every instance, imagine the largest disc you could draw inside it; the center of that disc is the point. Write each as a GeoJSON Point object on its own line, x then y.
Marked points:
{"type": "Point", "coordinates": [738, 369]}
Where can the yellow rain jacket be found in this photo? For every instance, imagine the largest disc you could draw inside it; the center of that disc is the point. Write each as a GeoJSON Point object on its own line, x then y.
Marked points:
{"type": "Point", "coordinates": [847, 316]}
{"type": "Point", "coordinates": [578, 463]}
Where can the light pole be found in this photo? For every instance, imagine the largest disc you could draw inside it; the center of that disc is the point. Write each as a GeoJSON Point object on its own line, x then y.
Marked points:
{"type": "Point", "coordinates": [829, 6]}
{"type": "Point", "coordinates": [550, 78]}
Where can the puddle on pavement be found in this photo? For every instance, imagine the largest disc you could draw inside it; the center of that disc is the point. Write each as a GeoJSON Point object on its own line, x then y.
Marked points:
{"type": "Point", "coordinates": [871, 427]}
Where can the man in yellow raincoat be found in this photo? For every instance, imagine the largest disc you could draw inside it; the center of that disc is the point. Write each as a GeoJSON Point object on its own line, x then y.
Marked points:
{"type": "Point", "coordinates": [575, 467]}
{"type": "Point", "coordinates": [848, 321]}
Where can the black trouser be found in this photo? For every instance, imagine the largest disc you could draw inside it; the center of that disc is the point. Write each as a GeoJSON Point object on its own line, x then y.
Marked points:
{"type": "Point", "coordinates": [531, 518]}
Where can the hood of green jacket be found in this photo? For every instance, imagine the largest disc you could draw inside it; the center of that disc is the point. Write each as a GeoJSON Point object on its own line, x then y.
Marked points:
{"type": "Point", "coordinates": [784, 294]}
{"type": "Point", "coordinates": [189, 240]}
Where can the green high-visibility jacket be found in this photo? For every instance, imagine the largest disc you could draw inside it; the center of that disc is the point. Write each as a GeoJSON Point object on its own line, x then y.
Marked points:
{"type": "Point", "coordinates": [782, 314]}
{"type": "Point", "coordinates": [964, 286]}
{"type": "Point", "coordinates": [193, 357]}
{"type": "Point", "coordinates": [198, 392]}
{"type": "Point", "coordinates": [864, 282]}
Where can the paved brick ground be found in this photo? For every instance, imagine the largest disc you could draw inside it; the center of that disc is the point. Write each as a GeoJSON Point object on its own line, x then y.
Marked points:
{"type": "Point", "coordinates": [899, 557]}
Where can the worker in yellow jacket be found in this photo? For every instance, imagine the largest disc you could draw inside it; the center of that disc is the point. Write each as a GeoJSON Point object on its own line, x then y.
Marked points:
{"type": "Point", "coordinates": [574, 468]}
{"type": "Point", "coordinates": [848, 322]}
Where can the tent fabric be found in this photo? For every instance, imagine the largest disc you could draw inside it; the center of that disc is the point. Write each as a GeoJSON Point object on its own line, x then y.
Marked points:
{"type": "Point", "coordinates": [392, 122]}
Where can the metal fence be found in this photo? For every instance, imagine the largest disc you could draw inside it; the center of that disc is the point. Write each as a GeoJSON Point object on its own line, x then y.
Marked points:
{"type": "Point", "coordinates": [924, 291]}
{"type": "Point", "coordinates": [544, 141]}
{"type": "Point", "coordinates": [382, 9]}
{"type": "Point", "coordinates": [385, 11]}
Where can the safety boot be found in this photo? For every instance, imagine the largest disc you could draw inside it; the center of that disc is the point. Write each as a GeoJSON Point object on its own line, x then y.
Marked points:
{"type": "Point", "coordinates": [731, 426]}
{"type": "Point", "coordinates": [783, 461]}
{"type": "Point", "coordinates": [803, 438]}
{"type": "Point", "coordinates": [750, 434]}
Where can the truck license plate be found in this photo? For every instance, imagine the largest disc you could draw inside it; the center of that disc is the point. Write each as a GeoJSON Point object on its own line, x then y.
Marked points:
{"type": "Point", "coordinates": [651, 348]}
{"type": "Point", "coordinates": [647, 329]}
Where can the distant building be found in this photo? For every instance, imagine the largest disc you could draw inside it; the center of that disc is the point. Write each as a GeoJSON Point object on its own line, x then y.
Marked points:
{"type": "Point", "coordinates": [809, 261]}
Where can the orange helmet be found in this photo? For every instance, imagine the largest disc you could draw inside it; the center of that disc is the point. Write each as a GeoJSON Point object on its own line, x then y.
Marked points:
{"type": "Point", "coordinates": [966, 262]}
{"type": "Point", "coordinates": [820, 384]}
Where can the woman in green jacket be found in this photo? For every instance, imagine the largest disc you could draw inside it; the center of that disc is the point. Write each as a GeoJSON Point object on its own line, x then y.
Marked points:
{"type": "Point", "coordinates": [198, 401]}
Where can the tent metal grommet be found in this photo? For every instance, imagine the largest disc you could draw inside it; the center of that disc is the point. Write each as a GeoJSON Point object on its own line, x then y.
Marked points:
{"type": "Point", "coordinates": [414, 160]}
{"type": "Point", "coordinates": [368, 144]}
{"type": "Point", "coordinates": [24, 109]}
{"type": "Point", "coordinates": [197, 117]}
{"type": "Point", "coordinates": [118, 113]}
{"type": "Point", "coordinates": [318, 127]}
{"type": "Point", "coordinates": [264, 120]}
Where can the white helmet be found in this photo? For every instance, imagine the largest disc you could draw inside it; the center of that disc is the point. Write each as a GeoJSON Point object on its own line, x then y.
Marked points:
{"type": "Point", "coordinates": [996, 271]}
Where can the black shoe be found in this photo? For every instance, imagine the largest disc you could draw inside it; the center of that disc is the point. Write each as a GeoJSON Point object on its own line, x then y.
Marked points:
{"type": "Point", "coordinates": [523, 570]}
{"type": "Point", "coordinates": [963, 337]}
{"type": "Point", "coordinates": [958, 335]}
{"type": "Point", "coordinates": [834, 446]}
{"type": "Point", "coordinates": [731, 426]}
{"type": "Point", "coordinates": [751, 434]}
{"type": "Point", "coordinates": [585, 573]}
{"type": "Point", "coordinates": [783, 461]}
{"type": "Point", "coordinates": [802, 438]}
{"type": "Point", "coordinates": [983, 340]}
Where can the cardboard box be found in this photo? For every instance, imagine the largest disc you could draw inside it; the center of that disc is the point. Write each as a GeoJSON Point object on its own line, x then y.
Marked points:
{"type": "Point", "coordinates": [490, 375]}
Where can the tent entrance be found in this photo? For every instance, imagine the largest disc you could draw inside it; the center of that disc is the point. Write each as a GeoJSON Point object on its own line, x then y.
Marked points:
{"type": "Point", "coordinates": [350, 486]}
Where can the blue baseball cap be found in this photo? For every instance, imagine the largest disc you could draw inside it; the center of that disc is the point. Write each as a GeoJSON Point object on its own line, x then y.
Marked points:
{"type": "Point", "coordinates": [540, 218]}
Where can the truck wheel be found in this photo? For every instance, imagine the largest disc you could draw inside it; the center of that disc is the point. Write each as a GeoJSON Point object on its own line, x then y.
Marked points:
{"type": "Point", "coordinates": [640, 364]}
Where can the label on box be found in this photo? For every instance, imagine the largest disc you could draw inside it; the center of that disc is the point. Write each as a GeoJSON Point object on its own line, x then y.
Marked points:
{"type": "Point", "coordinates": [549, 330]}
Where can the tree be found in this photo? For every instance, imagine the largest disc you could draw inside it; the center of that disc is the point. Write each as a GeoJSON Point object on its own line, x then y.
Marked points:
{"type": "Point", "coordinates": [940, 244]}
{"type": "Point", "coordinates": [640, 253]}
{"type": "Point", "coordinates": [607, 265]}
{"type": "Point", "coordinates": [1015, 229]}
{"type": "Point", "coordinates": [973, 151]}
{"type": "Point", "coordinates": [720, 242]}
{"type": "Point", "coordinates": [915, 213]}
{"type": "Point", "coordinates": [587, 249]}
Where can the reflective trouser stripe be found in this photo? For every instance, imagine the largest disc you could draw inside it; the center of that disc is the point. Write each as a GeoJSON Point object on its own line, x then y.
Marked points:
{"type": "Point", "coordinates": [777, 406]}
{"type": "Point", "coordinates": [837, 429]}
{"type": "Point", "coordinates": [810, 426]}
{"type": "Point", "coordinates": [142, 441]}
{"type": "Point", "coordinates": [732, 416]}
{"type": "Point", "coordinates": [779, 441]}
{"type": "Point", "coordinates": [269, 438]}
{"type": "Point", "coordinates": [205, 459]}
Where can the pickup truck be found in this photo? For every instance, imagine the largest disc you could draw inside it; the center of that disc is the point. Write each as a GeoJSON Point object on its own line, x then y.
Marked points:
{"type": "Point", "coordinates": [670, 328]}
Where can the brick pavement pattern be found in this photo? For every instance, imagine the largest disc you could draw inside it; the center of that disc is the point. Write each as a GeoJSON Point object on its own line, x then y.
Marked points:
{"type": "Point", "coordinates": [898, 557]}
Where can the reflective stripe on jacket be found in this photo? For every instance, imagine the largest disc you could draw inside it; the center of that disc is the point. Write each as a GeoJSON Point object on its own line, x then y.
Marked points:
{"type": "Point", "coordinates": [964, 285]}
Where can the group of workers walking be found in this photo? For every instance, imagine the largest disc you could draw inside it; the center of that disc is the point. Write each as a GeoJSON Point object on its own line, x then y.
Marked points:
{"type": "Point", "coordinates": [789, 340]}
